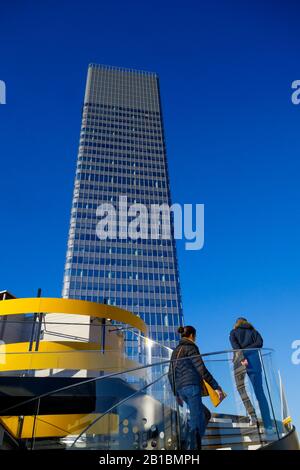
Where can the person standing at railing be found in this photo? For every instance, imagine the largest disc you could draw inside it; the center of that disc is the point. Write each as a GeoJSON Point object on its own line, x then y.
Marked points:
{"type": "Point", "coordinates": [186, 374]}
{"type": "Point", "coordinates": [239, 370]}
{"type": "Point", "coordinates": [246, 338]}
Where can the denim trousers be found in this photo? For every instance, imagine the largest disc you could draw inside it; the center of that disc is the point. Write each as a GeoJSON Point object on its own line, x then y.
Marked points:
{"type": "Point", "coordinates": [257, 383]}
{"type": "Point", "coordinates": [191, 395]}
{"type": "Point", "coordinates": [255, 374]}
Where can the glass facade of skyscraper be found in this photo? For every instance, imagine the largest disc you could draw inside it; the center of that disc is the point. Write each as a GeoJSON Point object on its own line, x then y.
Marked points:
{"type": "Point", "coordinates": [122, 153]}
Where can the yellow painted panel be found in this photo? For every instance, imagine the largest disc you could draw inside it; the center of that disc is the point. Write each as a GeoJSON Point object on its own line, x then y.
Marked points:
{"type": "Point", "coordinates": [73, 360]}
{"type": "Point", "coordinates": [70, 306]}
{"type": "Point", "coordinates": [60, 425]}
{"type": "Point", "coordinates": [53, 346]}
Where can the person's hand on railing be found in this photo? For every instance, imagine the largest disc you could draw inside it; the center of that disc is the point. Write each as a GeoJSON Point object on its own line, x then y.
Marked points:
{"type": "Point", "coordinates": [179, 400]}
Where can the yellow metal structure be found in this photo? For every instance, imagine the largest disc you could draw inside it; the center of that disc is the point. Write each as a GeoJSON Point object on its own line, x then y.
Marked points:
{"type": "Point", "coordinates": [111, 361]}
{"type": "Point", "coordinates": [70, 306]}
{"type": "Point", "coordinates": [71, 355]}
{"type": "Point", "coordinates": [59, 425]}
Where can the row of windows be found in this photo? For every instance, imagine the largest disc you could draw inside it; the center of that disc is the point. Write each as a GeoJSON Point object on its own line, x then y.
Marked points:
{"type": "Point", "coordinates": [121, 147]}
{"type": "Point", "coordinates": [143, 234]}
{"type": "Point", "coordinates": [89, 186]}
{"type": "Point", "coordinates": [120, 108]}
{"type": "Point", "coordinates": [133, 288]}
{"type": "Point", "coordinates": [152, 319]}
{"type": "Point", "coordinates": [117, 169]}
{"type": "Point", "coordinates": [143, 228]}
{"type": "Point", "coordinates": [90, 132]}
{"type": "Point", "coordinates": [108, 175]}
{"type": "Point", "coordinates": [122, 180]}
{"type": "Point", "coordinates": [121, 262]}
{"type": "Point", "coordinates": [91, 205]}
{"type": "Point", "coordinates": [129, 302]}
{"type": "Point", "coordinates": [131, 156]}
{"type": "Point", "coordinates": [86, 125]}
{"type": "Point", "coordinates": [159, 336]}
{"type": "Point", "coordinates": [170, 319]}
{"type": "Point", "coordinates": [92, 119]}
{"type": "Point", "coordinates": [92, 248]}
{"type": "Point", "coordinates": [122, 285]}
{"type": "Point", "coordinates": [98, 124]}
{"type": "Point", "coordinates": [120, 275]}
{"type": "Point", "coordinates": [122, 115]}
{"type": "Point", "coordinates": [138, 143]}
{"type": "Point", "coordinates": [122, 162]}
{"type": "Point", "coordinates": [93, 237]}
{"type": "Point", "coordinates": [87, 197]}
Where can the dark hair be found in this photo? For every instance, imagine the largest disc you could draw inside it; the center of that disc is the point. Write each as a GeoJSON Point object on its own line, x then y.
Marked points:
{"type": "Point", "coordinates": [186, 331]}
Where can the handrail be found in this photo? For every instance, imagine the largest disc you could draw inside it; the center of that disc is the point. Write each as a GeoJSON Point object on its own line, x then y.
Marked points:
{"type": "Point", "coordinates": [114, 374]}
{"type": "Point", "coordinates": [225, 351]}
{"type": "Point", "coordinates": [269, 350]}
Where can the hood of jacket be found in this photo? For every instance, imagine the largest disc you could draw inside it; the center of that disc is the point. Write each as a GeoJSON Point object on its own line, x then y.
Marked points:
{"type": "Point", "coordinates": [243, 324]}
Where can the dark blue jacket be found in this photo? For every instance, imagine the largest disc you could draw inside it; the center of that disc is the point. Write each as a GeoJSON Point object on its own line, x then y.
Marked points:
{"type": "Point", "coordinates": [188, 367]}
{"type": "Point", "coordinates": [245, 337]}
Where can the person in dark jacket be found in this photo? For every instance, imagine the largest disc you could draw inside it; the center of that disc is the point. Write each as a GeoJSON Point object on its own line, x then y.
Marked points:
{"type": "Point", "coordinates": [186, 374]}
{"type": "Point", "coordinates": [246, 338]}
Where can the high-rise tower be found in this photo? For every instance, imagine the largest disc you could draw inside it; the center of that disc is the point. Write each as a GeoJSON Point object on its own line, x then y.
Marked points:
{"type": "Point", "coordinates": [122, 153]}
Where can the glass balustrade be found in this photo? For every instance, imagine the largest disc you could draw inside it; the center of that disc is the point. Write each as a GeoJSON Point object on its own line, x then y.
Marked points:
{"type": "Point", "coordinates": [112, 401]}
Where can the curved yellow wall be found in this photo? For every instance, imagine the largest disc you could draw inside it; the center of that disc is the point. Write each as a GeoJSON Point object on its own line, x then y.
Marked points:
{"type": "Point", "coordinates": [70, 306]}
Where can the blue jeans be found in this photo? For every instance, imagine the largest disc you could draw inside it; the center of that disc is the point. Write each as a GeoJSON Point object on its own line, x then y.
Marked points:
{"type": "Point", "coordinates": [191, 395]}
{"type": "Point", "coordinates": [254, 372]}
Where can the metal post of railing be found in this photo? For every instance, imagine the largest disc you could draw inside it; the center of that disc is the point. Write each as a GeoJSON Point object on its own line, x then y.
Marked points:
{"type": "Point", "coordinates": [34, 424]}
{"type": "Point", "coordinates": [39, 331]}
{"type": "Point", "coordinates": [35, 315]}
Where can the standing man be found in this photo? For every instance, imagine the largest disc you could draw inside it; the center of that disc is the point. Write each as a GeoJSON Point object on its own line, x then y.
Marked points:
{"type": "Point", "coordinates": [246, 338]}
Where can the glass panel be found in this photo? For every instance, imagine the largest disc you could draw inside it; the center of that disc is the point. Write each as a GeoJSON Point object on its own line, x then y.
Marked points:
{"type": "Point", "coordinates": [133, 410]}
{"type": "Point", "coordinates": [106, 400]}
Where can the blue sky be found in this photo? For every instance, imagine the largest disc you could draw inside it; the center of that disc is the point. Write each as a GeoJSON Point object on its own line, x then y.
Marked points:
{"type": "Point", "coordinates": [226, 69]}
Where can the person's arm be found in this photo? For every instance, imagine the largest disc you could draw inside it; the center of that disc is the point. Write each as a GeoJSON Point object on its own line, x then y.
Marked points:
{"type": "Point", "coordinates": [258, 342]}
{"type": "Point", "coordinates": [199, 365]}
{"type": "Point", "coordinates": [234, 342]}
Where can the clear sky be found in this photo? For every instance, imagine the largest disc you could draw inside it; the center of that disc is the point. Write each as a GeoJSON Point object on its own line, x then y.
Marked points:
{"type": "Point", "coordinates": [226, 69]}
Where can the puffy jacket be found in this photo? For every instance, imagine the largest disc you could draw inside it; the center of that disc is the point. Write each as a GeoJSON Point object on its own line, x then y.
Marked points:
{"type": "Point", "coordinates": [188, 367]}
{"type": "Point", "coordinates": [244, 336]}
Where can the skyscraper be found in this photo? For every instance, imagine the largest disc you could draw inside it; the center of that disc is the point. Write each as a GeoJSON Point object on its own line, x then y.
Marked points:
{"type": "Point", "coordinates": [122, 153]}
